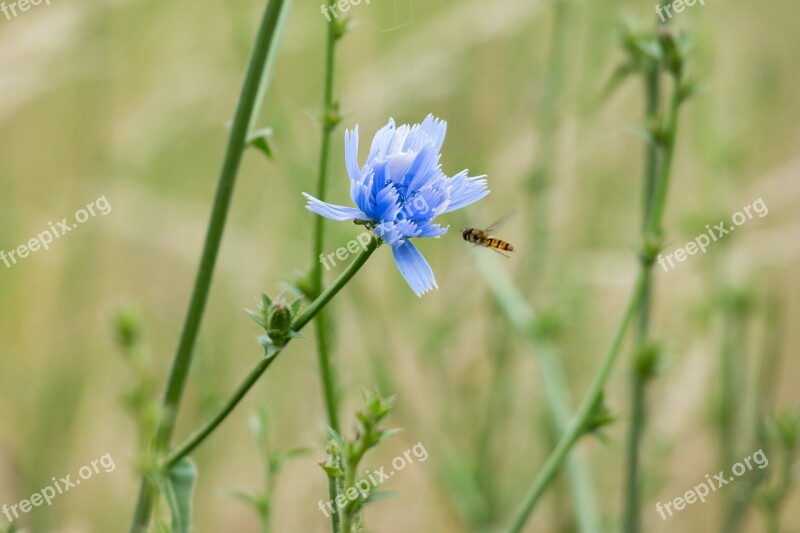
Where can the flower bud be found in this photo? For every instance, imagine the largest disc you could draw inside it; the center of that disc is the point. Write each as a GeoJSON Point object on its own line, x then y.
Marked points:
{"type": "Point", "coordinates": [279, 323]}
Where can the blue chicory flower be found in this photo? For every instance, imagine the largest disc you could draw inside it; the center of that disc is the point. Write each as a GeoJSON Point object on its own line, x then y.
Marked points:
{"type": "Point", "coordinates": [401, 189]}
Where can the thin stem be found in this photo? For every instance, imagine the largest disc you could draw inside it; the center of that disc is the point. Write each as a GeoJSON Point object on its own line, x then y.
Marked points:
{"type": "Point", "coordinates": [732, 360]}
{"type": "Point", "coordinates": [653, 232]}
{"type": "Point", "coordinates": [577, 425]}
{"type": "Point", "coordinates": [631, 518]}
{"type": "Point", "coordinates": [524, 319]}
{"type": "Point", "coordinates": [632, 483]}
{"type": "Point", "coordinates": [653, 225]}
{"type": "Point", "coordinates": [322, 324]}
{"type": "Point", "coordinates": [233, 155]}
{"type": "Point", "coordinates": [310, 312]}
{"type": "Point", "coordinates": [199, 436]}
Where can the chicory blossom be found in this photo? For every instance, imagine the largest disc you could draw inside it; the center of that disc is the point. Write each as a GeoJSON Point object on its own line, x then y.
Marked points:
{"type": "Point", "coordinates": [400, 190]}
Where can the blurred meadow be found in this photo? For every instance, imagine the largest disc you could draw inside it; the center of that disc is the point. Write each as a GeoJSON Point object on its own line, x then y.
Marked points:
{"type": "Point", "coordinates": [132, 100]}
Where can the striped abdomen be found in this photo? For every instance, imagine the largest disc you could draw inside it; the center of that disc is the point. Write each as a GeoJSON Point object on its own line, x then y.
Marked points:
{"type": "Point", "coordinates": [481, 238]}
{"type": "Point", "coordinates": [500, 244]}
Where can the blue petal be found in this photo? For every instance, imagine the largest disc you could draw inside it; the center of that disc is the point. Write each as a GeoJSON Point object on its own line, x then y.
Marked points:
{"type": "Point", "coordinates": [398, 140]}
{"type": "Point", "coordinates": [361, 191]}
{"type": "Point", "coordinates": [387, 205]}
{"type": "Point", "coordinates": [431, 230]}
{"type": "Point", "coordinates": [351, 153]}
{"type": "Point", "coordinates": [427, 203]}
{"type": "Point", "coordinates": [465, 191]}
{"type": "Point", "coordinates": [381, 140]}
{"type": "Point", "coordinates": [407, 228]}
{"type": "Point", "coordinates": [413, 267]}
{"type": "Point", "coordinates": [435, 129]}
{"type": "Point", "coordinates": [332, 211]}
{"type": "Point", "coordinates": [398, 165]}
{"type": "Point", "coordinates": [388, 232]}
{"type": "Point", "coordinates": [424, 168]}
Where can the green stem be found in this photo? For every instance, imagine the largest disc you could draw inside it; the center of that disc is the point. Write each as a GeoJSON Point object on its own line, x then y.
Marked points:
{"type": "Point", "coordinates": [322, 324]}
{"type": "Point", "coordinates": [631, 518]}
{"type": "Point", "coordinates": [577, 424]}
{"type": "Point", "coordinates": [347, 517]}
{"type": "Point", "coordinates": [233, 155]}
{"type": "Point", "coordinates": [732, 360]}
{"type": "Point", "coordinates": [524, 319]}
{"type": "Point", "coordinates": [632, 483]}
{"type": "Point", "coordinates": [653, 226]}
{"type": "Point", "coordinates": [200, 435]}
{"type": "Point", "coordinates": [653, 232]}
{"type": "Point", "coordinates": [310, 312]}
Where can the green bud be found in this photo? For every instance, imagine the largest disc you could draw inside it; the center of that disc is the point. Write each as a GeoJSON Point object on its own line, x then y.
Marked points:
{"type": "Point", "coordinates": [127, 328]}
{"type": "Point", "coordinates": [332, 448]}
{"type": "Point", "coordinates": [650, 249]}
{"type": "Point", "coordinates": [600, 416]}
{"type": "Point", "coordinates": [279, 323]}
{"type": "Point", "coordinates": [673, 55]}
{"type": "Point", "coordinates": [647, 360]}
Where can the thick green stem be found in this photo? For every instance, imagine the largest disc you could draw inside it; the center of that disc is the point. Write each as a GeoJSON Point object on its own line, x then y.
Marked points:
{"type": "Point", "coordinates": [182, 360]}
{"type": "Point", "coordinates": [346, 514]}
{"type": "Point", "coordinates": [310, 312]}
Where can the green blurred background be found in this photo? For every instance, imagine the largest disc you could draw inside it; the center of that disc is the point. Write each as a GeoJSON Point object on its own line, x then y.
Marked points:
{"type": "Point", "coordinates": [130, 99]}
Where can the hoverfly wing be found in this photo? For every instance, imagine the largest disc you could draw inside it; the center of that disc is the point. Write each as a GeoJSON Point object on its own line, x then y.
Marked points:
{"type": "Point", "coordinates": [500, 222]}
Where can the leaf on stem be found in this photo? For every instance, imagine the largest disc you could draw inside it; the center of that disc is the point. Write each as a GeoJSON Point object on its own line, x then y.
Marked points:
{"type": "Point", "coordinates": [259, 140]}
{"type": "Point", "coordinates": [177, 489]}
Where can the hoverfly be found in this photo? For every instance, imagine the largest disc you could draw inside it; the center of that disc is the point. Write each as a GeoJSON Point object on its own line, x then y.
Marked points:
{"type": "Point", "coordinates": [483, 237]}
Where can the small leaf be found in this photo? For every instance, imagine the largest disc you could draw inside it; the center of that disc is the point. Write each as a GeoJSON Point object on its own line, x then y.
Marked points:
{"type": "Point", "coordinates": [380, 495]}
{"type": "Point", "coordinates": [644, 134]}
{"type": "Point", "coordinates": [259, 420]}
{"type": "Point", "coordinates": [259, 139]}
{"type": "Point", "coordinates": [332, 471]}
{"type": "Point", "coordinates": [270, 349]}
{"type": "Point", "coordinates": [616, 79]}
{"type": "Point", "coordinates": [277, 460]}
{"type": "Point", "coordinates": [295, 306]}
{"type": "Point", "coordinates": [691, 88]}
{"type": "Point", "coordinates": [389, 433]}
{"type": "Point", "coordinates": [600, 416]}
{"type": "Point", "coordinates": [257, 502]}
{"type": "Point", "coordinates": [177, 490]}
{"type": "Point", "coordinates": [257, 317]}
{"type": "Point", "coordinates": [337, 437]}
